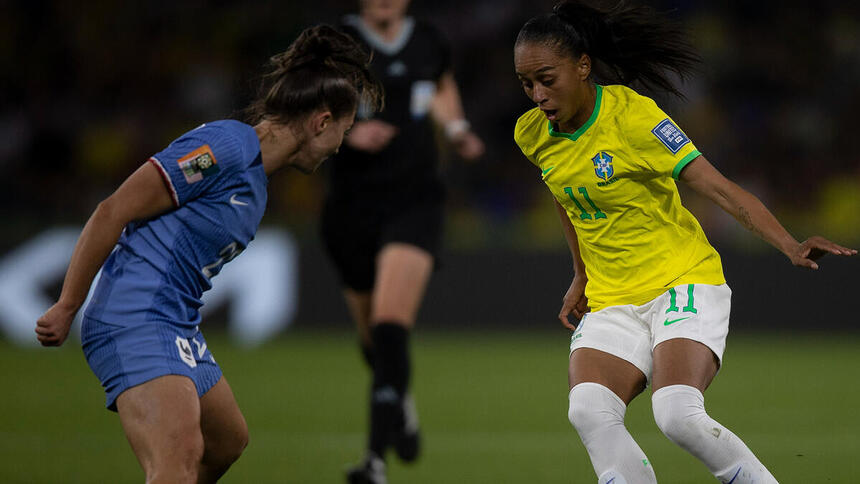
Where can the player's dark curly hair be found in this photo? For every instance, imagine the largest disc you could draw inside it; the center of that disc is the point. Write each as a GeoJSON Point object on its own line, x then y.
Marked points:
{"type": "Point", "coordinates": [322, 68]}
{"type": "Point", "coordinates": [627, 44]}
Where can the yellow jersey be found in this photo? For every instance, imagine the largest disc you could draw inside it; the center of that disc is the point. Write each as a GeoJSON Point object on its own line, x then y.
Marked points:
{"type": "Point", "coordinates": [615, 177]}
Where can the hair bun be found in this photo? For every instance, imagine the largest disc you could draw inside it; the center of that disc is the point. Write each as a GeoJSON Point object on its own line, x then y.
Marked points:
{"type": "Point", "coordinates": [321, 68]}
{"type": "Point", "coordinates": [319, 44]}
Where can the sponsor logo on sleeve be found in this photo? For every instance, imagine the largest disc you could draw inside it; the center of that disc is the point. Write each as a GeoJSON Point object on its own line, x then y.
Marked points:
{"type": "Point", "coordinates": [198, 164]}
{"type": "Point", "coordinates": [669, 134]}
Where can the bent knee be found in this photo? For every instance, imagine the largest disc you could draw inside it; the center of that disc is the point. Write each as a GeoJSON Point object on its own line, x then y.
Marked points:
{"type": "Point", "coordinates": [676, 428]}
{"type": "Point", "coordinates": [242, 442]}
{"type": "Point", "coordinates": [233, 450]}
{"type": "Point", "coordinates": [228, 451]}
{"type": "Point", "coordinates": [679, 412]}
{"type": "Point", "coordinates": [593, 406]}
{"type": "Point", "coordinates": [581, 415]}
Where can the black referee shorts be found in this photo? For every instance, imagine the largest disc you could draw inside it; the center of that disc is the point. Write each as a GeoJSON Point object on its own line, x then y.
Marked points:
{"type": "Point", "coordinates": [353, 235]}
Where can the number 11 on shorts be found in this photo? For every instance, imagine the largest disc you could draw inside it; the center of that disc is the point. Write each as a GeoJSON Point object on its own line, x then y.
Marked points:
{"type": "Point", "coordinates": [673, 301]}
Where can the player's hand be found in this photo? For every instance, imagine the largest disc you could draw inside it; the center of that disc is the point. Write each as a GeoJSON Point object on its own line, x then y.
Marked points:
{"type": "Point", "coordinates": [811, 249]}
{"type": "Point", "coordinates": [371, 136]}
{"type": "Point", "coordinates": [468, 146]}
{"type": "Point", "coordinates": [53, 327]}
{"type": "Point", "coordinates": [574, 302]}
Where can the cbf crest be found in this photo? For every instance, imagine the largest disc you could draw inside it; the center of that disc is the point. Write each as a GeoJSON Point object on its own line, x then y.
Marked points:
{"type": "Point", "coordinates": [603, 168]}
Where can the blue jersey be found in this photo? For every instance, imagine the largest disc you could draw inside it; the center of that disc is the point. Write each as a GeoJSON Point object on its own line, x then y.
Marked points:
{"type": "Point", "coordinates": [161, 266]}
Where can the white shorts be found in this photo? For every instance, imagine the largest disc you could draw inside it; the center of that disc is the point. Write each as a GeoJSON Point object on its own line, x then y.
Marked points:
{"type": "Point", "coordinates": [698, 312]}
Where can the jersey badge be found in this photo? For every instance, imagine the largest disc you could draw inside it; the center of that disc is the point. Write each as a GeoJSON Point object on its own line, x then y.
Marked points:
{"type": "Point", "coordinates": [603, 167]}
{"type": "Point", "coordinates": [198, 164]}
{"type": "Point", "coordinates": [669, 134]}
{"type": "Point", "coordinates": [397, 69]}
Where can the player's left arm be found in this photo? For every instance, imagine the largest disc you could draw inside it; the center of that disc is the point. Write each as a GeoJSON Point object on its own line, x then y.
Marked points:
{"type": "Point", "coordinates": [142, 195]}
{"type": "Point", "coordinates": [752, 214]}
{"type": "Point", "coordinates": [447, 111]}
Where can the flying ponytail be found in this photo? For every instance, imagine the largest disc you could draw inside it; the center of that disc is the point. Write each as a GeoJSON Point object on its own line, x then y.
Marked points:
{"type": "Point", "coordinates": [322, 68]}
{"type": "Point", "coordinates": [628, 44]}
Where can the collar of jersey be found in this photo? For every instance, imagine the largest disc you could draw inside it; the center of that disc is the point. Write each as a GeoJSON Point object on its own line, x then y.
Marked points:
{"type": "Point", "coordinates": [376, 41]}
{"type": "Point", "coordinates": [582, 129]}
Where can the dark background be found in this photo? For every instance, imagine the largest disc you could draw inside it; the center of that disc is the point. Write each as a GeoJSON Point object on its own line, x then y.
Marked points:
{"type": "Point", "coordinates": [91, 89]}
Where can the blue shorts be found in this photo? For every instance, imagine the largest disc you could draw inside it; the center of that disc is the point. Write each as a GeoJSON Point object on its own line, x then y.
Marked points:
{"type": "Point", "coordinates": [127, 356]}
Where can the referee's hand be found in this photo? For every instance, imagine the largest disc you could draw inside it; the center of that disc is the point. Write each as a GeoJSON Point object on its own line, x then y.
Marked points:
{"type": "Point", "coordinates": [371, 136]}
{"type": "Point", "coordinates": [469, 146]}
{"type": "Point", "coordinates": [53, 327]}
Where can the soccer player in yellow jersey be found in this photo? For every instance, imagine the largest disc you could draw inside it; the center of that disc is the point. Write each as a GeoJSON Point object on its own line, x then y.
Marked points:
{"type": "Point", "coordinates": [659, 304]}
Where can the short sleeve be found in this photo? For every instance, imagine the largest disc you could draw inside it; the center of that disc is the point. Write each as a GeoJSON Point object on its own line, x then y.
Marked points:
{"type": "Point", "coordinates": [524, 138]}
{"type": "Point", "coordinates": [197, 162]}
{"type": "Point", "coordinates": [439, 54]}
{"type": "Point", "coordinates": [446, 62]}
{"type": "Point", "coordinates": [662, 147]}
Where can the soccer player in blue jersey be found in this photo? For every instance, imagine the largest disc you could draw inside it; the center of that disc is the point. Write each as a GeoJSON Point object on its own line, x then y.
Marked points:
{"type": "Point", "coordinates": [169, 228]}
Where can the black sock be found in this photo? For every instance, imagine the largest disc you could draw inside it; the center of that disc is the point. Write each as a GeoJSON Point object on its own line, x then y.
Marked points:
{"type": "Point", "coordinates": [390, 382]}
{"type": "Point", "coordinates": [368, 354]}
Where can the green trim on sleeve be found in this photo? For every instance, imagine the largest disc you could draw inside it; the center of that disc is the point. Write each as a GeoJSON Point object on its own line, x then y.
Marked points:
{"type": "Point", "coordinates": [582, 129]}
{"type": "Point", "coordinates": [684, 162]}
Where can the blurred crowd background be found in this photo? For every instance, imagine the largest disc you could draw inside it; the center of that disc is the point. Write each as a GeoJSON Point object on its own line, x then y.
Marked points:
{"type": "Point", "coordinates": [92, 89]}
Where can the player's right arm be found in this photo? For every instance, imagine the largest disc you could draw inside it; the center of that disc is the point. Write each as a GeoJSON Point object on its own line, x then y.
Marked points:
{"type": "Point", "coordinates": [574, 301]}
{"type": "Point", "coordinates": [142, 195]}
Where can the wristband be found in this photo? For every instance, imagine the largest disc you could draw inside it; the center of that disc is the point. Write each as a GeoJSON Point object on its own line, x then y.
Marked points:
{"type": "Point", "coordinates": [455, 128]}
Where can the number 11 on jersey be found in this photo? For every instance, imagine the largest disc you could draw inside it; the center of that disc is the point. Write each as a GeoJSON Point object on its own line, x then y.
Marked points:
{"type": "Point", "coordinates": [583, 214]}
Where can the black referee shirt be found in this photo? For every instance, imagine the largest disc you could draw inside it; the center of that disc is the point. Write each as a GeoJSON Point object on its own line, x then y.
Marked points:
{"type": "Point", "coordinates": [409, 67]}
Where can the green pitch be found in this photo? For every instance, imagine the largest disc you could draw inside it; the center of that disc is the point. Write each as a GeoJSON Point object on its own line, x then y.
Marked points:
{"type": "Point", "coordinates": [493, 406]}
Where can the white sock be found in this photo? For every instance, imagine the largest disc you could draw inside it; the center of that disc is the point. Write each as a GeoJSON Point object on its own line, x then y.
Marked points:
{"type": "Point", "coordinates": [611, 477]}
{"type": "Point", "coordinates": [679, 411]}
{"type": "Point", "coordinates": [598, 416]}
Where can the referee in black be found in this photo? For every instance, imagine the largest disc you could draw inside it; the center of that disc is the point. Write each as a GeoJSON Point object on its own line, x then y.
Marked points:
{"type": "Point", "coordinates": [382, 220]}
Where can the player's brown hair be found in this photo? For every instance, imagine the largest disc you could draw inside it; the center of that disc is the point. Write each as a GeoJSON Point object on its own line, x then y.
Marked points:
{"type": "Point", "coordinates": [322, 68]}
{"type": "Point", "coordinates": [627, 43]}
